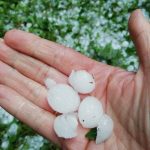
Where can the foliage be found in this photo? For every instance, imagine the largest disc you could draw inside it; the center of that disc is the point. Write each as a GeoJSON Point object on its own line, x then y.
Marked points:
{"type": "Point", "coordinates": [91, 135]}
{"type": "Point", "coordinates": [96, 28]}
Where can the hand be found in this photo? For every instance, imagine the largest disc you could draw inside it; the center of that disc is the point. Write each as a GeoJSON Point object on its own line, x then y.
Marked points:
{"type": "Point", "coordinates": [27, 60]}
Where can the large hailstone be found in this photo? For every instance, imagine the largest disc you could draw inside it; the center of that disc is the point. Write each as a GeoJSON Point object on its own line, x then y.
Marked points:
{"type": "Point", "coordinates": [62, 98]}
{"type": "Point", "coordinates": [82, 81]}
{"type": "Point", "coordinates": [104, 129]}
{"type": "Point", "coordinates": [65, 125]}
{"type": "Point", "coordinates": [90, 112]}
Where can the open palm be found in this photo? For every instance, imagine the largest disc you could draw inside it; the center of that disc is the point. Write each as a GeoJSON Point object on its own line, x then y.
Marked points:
{"type": "Point", "coordinates": [27, 60]}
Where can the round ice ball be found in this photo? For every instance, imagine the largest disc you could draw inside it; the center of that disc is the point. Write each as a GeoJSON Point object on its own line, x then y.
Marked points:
{"type": "Point", "coordinates": [90, 112]}
{"type": "Point", "coordinates": [66, 125]}
{"type": "Point", "coordinates": [63, 99]}
{"type": "Point", "coordinates": [49, 83]}
{"type": "Point", "coordinates": [104, 129]}
{"type": "Point", "coordinates": [82, 81]}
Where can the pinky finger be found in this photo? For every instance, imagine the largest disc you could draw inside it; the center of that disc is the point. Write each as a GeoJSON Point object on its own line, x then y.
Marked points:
{"type": "Point", "coordinates": [27, 112]}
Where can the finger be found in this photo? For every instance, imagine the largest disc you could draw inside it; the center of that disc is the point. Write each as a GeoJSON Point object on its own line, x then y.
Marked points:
{"type": "Point", "coordinates": [28, 88]}
{"type": "Point", "coordinates": [139, 29]}
{"type": "Point", "coordinates": [35, 117]}
{"type": "Point", "coordinates": [60, 57]}
{"type": "Point", "coordinates": [1, 40]}
{"type": "Point", "coordinates": [29, 66]}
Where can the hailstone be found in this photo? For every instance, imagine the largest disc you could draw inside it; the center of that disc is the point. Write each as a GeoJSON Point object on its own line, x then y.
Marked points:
{"type": "Point", "coordinates": [63, 99]}
{"type": "Point", "coordinates": [90, 112]}
{"type": "Point", "coordinates": [104, 129]}
{"type": "Point", "coordinates": [65, 125]}
{"type": "Point", "coordinates": [82, 81]}
{"type": "Point", "coordinates": [49, 83]}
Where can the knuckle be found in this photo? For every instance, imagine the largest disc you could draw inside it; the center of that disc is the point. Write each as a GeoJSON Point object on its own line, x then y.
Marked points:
{"type": "Point", "coordinates": [36, 42]}
{"type": "Point", "coordinates": [32, 90]}
{"type": "Point", "coordinates": [2, 91]}
{"type": "Point", "coordinates": [39, 120]}
{"type": "Point", "coordinates": [42, 73]}
{"type": "Point", "coordinates": [19, 109]}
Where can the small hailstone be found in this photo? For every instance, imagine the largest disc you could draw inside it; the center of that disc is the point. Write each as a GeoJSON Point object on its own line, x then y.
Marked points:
{"type": "Point", "coordinates": [66, 125]}
{"type": "Point", "coordinates": [82, 81]}
{"type": "Point", "coordinates": [63, 99]}
{"type": "Point", "coordinates": [90, 112]}
{"type": "Point", "coordinates": [50, 83]}
{"type": "Point", "coordinates": [104, 129]}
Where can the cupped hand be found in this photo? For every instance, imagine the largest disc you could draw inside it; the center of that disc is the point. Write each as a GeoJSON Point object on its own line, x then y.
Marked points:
{"type": "Point", "coordinates": [27, 60]}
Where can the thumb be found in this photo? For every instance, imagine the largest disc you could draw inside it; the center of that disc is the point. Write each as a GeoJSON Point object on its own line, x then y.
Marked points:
{"type": "Point", "coordinates": [139, 29]}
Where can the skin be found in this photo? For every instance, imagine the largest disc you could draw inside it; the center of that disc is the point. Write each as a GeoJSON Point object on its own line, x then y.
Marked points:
{"type": "Point", "coordinates": [27, 60]}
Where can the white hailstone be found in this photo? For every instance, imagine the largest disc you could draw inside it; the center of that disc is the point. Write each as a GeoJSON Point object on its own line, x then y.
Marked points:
{"type": "Point", "coordinates": [49, 83]}
{"type": "Point", "coordinates": [63, 99]}
{"type": "Point", "coordinates": [82, 81]}
{"type": "Point", "coordinates": [104, 129]}
{"type": "Point", "coordinates": [65, 125]}
{"type": "Point", "coordinates": [90, 112]}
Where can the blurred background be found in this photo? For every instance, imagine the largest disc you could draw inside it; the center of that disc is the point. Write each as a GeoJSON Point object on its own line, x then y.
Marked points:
{"type": "Point", "coordinates": [96, 28]}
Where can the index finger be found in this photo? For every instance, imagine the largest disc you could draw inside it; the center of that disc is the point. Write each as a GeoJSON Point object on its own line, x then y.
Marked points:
{"type": "Point", "coordinates": [60, 57]}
